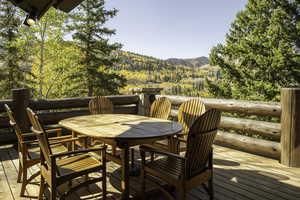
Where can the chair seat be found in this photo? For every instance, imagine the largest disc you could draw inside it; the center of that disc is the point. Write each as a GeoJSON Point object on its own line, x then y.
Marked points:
{"type": "Point", "coordinates": [77, 163]}
{"type": "Point", "coordinates": [34, 150]}
{"type": "Point", "coordinates": [170, 166]}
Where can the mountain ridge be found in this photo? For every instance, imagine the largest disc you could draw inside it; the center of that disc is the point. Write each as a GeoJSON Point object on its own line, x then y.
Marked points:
{"type": "Point", "coordinates": [192, 62]}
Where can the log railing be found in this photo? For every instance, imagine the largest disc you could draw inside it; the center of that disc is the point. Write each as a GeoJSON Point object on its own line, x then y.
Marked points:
{"type": "Point", "coordinates": [51, 111]}
{"type": "Point", "coordinates": [64, 108]}
{"type": "Point", "coordinates": [281, 139]}
{"type": "Point", "coordinates": [248, 126]}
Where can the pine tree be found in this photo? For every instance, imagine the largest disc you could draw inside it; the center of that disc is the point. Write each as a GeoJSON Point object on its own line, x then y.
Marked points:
{"type": "Point", "coordinates": [11, 73]}
{"type": "Point", "coordinates": [93, 76]}
{"type": "Point", "coordinates": [262, 52]}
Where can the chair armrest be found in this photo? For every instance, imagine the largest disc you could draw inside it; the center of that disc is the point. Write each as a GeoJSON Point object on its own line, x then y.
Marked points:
{"type": "Point", "coordinates": [152, 150]}
{"type": "Point", "coordinates": [103, 148]}
{"type": "Point", "coordinates": [51, 140]}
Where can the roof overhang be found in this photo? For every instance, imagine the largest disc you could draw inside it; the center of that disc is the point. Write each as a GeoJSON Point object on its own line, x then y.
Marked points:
{"type": "Point", "coordinates": [40, 7]}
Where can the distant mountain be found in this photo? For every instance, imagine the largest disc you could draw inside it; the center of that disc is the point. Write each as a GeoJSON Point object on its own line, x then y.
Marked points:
{"type": "Point", "coordinates": [193, 62]}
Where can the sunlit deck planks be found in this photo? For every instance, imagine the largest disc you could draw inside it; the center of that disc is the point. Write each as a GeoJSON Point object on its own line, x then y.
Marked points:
{"type": "Point", "coordinates": [237, 175]}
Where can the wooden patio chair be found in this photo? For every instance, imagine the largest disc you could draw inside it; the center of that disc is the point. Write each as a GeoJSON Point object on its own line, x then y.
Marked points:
{"type": "Point", "coordinates": [29, 151]}
{"type": "Point", "coordinates": [195, 167]}
{"type": "Point", "coordinates": [58, 169]}
{"type": "Point", "coordinates": [101, 105]}
{"type": "Point", "coordinates": [188, 112]}
{"type": "Point", "coordinates": [161, 109]}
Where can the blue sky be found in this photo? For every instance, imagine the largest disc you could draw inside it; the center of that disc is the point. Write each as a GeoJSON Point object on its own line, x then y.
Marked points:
{"type": "Point", "coordinates": [172, 28]}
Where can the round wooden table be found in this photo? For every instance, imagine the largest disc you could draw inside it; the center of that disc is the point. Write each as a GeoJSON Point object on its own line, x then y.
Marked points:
{"type": "Point", "coordinates": [124, 131]}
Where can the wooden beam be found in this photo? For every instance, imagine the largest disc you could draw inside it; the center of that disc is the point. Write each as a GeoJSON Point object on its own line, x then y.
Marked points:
{"type": "Point", "coordinates": [290, 131]}
{"type": "Point", "coordinates": [21, 98]}
{"type": "Point", "coordinates": [55, 117]}
{"type": "Point", "coordinates": [79, 102]}
{"type": "Point", "coordinates": [234, 106]}
{"type": "Point", "coordinates": [253, 145]}
{"type": "Point", "coordinates": [263, 128]}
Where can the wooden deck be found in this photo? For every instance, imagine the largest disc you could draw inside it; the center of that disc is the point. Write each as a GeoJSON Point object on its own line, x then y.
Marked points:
{"type": "Point", "coordinates": [237, 175]}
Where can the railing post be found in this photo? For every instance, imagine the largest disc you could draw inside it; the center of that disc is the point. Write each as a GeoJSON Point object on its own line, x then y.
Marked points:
{"type": "Point", "coordinates": [20, 101]}
{"type": "Point", "coordinates": [290, 127]}
{"type": "Point", "coordinates": [147, 96]}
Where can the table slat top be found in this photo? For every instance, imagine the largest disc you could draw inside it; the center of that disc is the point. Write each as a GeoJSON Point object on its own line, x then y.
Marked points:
{"type": "Point", "coordinates": [121, 126]}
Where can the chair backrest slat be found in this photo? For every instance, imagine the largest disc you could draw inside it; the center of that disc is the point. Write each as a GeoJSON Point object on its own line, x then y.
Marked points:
{"type": "Point", "coordinates": [41, 135]}
{"type": "Point", "coordinates": [101, 105]}
{"type": "Point", "coordinates": [14, 124]}
{"type": "Point", "coordinates": [161, 108]}
{"type": "Point", "coordinates": [200, 140]}
{"type": "Point", "coordinates": [188, 112]}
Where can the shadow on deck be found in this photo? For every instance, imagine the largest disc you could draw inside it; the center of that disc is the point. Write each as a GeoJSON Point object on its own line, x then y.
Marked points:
{"type": "Point", "coordinates": [237, 175]}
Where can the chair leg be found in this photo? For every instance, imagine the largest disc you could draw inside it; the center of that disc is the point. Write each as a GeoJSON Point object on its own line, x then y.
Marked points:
{"type": "Point", "coordinates": [86, 178]}
{"type": "Point", "coordinates": [152, 156]}
{"type": "Point", "coordinates": [104, 190]}
{"type": "Point", "coordinates": [132, 158]}
{"type": "Point", "coordinates": [53, 193]}
{"type": "Point", "coordinates": [143, 184]}
{"type": "Point", "coordinates": [211, 189]}
{"type": "Point", "coordinates": [114, 150]}
{"type": "Point", "coordinates": [24, 181]}
{"type": "Point", "coordinates": [19, 173]}
{"type": "Point", "coordinates": [42, 187]}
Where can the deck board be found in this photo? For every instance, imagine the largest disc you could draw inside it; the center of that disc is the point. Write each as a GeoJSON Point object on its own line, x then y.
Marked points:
{"type": "Point", "coordinates": [5, 191]}
{"type": "Point", "coordinates": [237, 175]}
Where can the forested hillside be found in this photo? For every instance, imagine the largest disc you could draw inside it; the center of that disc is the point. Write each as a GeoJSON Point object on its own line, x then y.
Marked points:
{"type": "Point", "coordinates": [196, 62]}
{"type": "Point", "coordinates": [177, 79]}
{"type": "Point", "coordinates": [63, 56]}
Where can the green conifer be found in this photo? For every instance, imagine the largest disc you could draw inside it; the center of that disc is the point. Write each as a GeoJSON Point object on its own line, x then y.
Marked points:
{"type": "Point", "coordinates": [11, 70]}
{"type": "Point", "coordinates": [94, 76]}
{"type": "Point", "coordinates": [261, 53]}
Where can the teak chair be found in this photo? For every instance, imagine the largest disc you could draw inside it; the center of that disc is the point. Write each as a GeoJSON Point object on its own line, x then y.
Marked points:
{"type": "Point", "coordinates": [101, 105]}
{"type": "Point", "coordinates": [188, 112]}
{"type": "Point", "coordinates": [196, 167]}
{"type": "Point", "coordinates": [71, 165]}
{"type": "Point", "coordinates": [161, 109]}
{"type": "Point", "coordinates": [29, 151]}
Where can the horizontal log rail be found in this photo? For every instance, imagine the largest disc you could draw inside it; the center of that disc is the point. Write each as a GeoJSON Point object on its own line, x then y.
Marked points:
{"type": "Point", "coordinates": [235, 106]}
{"type": "Point", "coordinates": [4, 122]}
{"type": "Point", "coordinates": [55, 117]}
{"type": "Point", "coordinates": [268, 129]}
{"type": "Point", "coordinates": [254, 145]}
{"type": "Point", "coordinates": [287, 131]}
{"type": "Point", "coordinates": [51, 111]}
{"type": "Point", "coordinates": [249, 126]}
{"type": "Point", "coordinates": [79, 102]}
